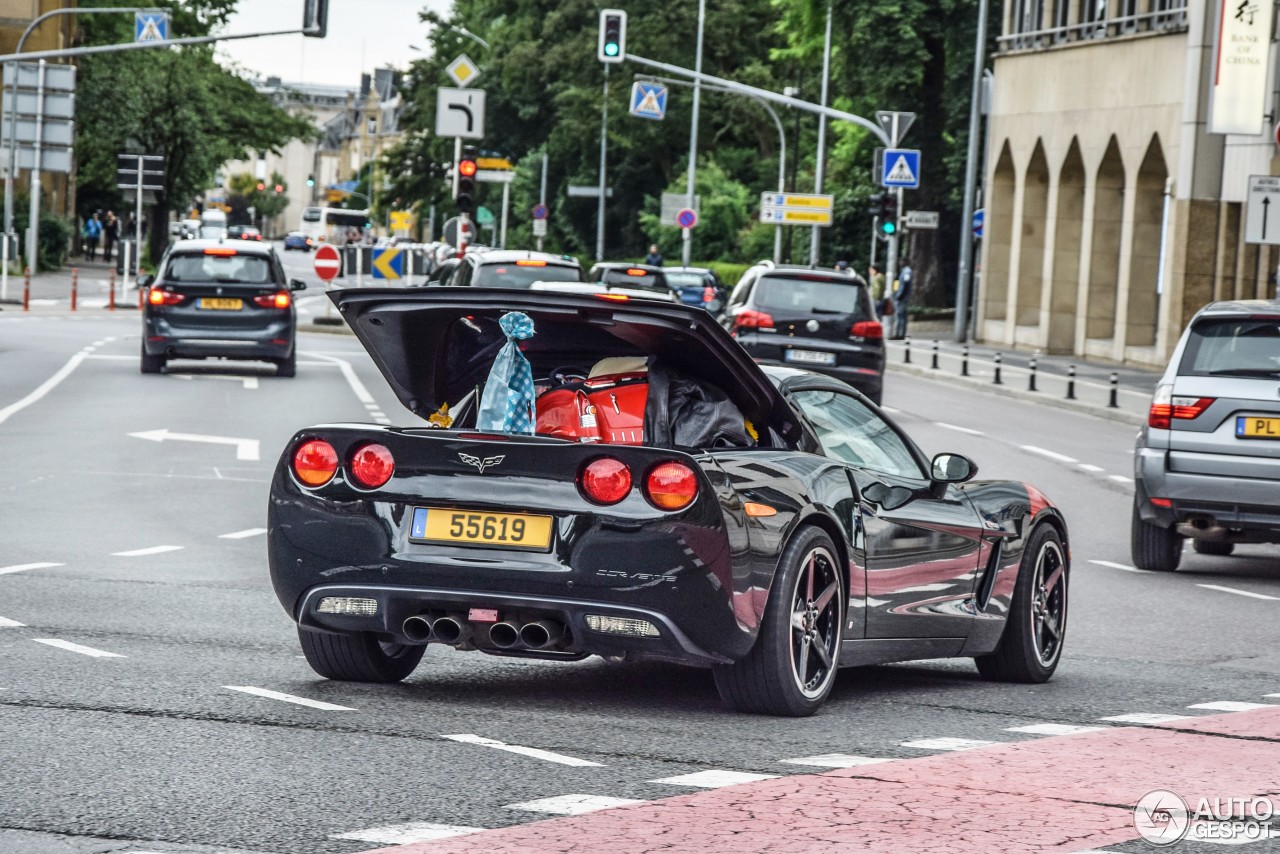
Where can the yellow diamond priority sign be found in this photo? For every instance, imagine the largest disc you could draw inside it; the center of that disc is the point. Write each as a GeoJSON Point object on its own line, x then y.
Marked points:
{"type": "Point", "coordinates": [463, 71]}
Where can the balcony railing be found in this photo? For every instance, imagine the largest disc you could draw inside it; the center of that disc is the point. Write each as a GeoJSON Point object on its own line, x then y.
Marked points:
{"type": "Point", "coordinates": [1163, 21]}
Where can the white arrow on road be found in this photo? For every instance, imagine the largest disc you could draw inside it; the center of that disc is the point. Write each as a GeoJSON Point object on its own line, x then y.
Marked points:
{"type": "Point", "coordinates": [246, 449]}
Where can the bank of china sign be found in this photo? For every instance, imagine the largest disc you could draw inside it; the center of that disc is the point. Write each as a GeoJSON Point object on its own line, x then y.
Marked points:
{"type": "Point", "coordinates": [1240, 89]}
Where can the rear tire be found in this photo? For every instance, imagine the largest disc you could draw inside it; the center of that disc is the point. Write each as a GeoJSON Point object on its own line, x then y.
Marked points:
{"type": "Point", "coordinates": [792, 667]}
{"type": "Point", "coordinates": [1031, 647]}
{"type": "Point", "coordinates": [151, 364]}
{"type": "Point", "coordinates": [1154, 547]}
{"type": "Point", "coordinates": [288, 366]}
{"type": "Point", "coordinates": [1208, 547]}
{"type": "Point", "coordinates": [359, 657]}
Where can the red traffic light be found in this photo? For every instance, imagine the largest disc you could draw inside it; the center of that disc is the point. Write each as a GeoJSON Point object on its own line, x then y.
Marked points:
{"type": "Point", "coordinates": [467, 168]}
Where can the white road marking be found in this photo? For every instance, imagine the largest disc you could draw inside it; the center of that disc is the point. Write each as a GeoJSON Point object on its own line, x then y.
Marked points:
{"type": "Point", "coordinates": [1146, 718]}
{"type": "Point", "coordinates": [572, 804]}
{"type": "Point", "coordinates": [404, 834]}
{"type": "Point", "coordinates": [153, 550]}
{"type": "Point", "coordinates": [1053, 455]}
{"type": "Point", "coordinates": [6, 623]}
{"type": "Point", "coordinates": [349, 373]}
{"type": "Point", "coordinates": [1119, 478]}
{"type": "Point", "coordinates": [1126, 568]}
{"type": "Point", "coordinates": [23, 567]}
{"type": "Point", "coordinates": [1232, 706]}
{"type": "Point", "coordinates": [958, 428]}
{"type": "Point", "coordinates": [834, 760]}
{"type": "Point", "coordinates": [1054, 729]}
{"type": "Point", "coordinates": [1239, 592]}
{"type": "Point", "coordinates": [1090, 468]}
{"type": "Point", "coordinates": [948, 744]}
{"type": "Point", "coordinates": [890, 410]}
{"type": "Point", "coordinates": [44, 388]}
{"type": "Point", "coordinates": [715, 779]}
{"type": "Point", "coordinates": [75, 647]}
{"type": "Point", "coordinates": [246, 449]}
{"type": "Point", "coordinates": [533, 752]}
{"type": "Point", "coordinates": [240, 535]}
{"type": "Point", "coordinates": [289, 698]}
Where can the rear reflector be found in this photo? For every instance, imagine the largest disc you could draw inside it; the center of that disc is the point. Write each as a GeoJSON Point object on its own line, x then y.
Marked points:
{"type": "Point", "coordinates": [315, 462]}
{"type": "Point", "coordinates": [531, 263]}
{"type": "Point", "coordinates": [1162, 502]}
{"type": "Point", "coordinates": [350, 605]}
{"type": "Point", "coordinates": [622, 626]}
{"type": "Point", "coordinates": [671, 486]}
{"type": "Point", "coordinates": [605, 480]}
{"type": "Point", "coordinates": [372, 466]}
{"type": "Point", "coordinates": [220, 250]}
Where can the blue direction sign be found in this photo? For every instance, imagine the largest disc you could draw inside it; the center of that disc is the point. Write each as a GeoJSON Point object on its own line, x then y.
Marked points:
{"type": "Point", "coordinates": [539, 211]}
{"type": "Point", "coordinates": [388, 264]}
{"type": "Point", "coordinates": [978, 216]}
{"type": "Point", "coordinates": [151, 26]}
{"type": "Point", "coordinates": [648, 100]}
{"type": "Point", "coordinates": [901, 168]}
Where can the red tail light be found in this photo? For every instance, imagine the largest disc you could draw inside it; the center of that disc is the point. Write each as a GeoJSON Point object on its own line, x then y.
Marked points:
{"type": "Point", "coordinates": [280, 299]}
{"type": "Point", "coordinates": [1165, 410]}
{"type": "Point", "coordinates": [613, 297]}
{"type": "Point", "coordinates": [708, 294]}
{"type": "Point", "coordinates": [372, 466]}
{"type": "Point", "coordinates": [315, 462]}
{"type": "Point", "coordinates": [225, 251]}
{"type": "Point", "coordinates": [751, 319]}
{"type": "Point", "coordinates": [671, 486]}
{"type": "Point", "coordinates": [155, 296]}
{"type": "Point", "coordinates": [867, 329]}
{"type": "Point", "coordinates": [605, 480]}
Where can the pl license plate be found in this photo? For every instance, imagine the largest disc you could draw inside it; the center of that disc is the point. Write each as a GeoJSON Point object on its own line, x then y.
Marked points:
{"type": "Point", "coordinates": [1253, 427]}
{"type": "Point", "coordinates": [466, 527]}
{"type": "Point", "coordinates": [221, 303]}
{"type": "Point", "coordinates": [811, 357]}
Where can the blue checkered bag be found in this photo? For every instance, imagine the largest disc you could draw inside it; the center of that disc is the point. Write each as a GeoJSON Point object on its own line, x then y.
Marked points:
{"type": "Point", "coordinates": [507, 403]}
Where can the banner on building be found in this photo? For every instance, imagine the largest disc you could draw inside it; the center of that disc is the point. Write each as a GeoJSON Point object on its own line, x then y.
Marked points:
{"type": "Point", "coordinates": [1239, 85]}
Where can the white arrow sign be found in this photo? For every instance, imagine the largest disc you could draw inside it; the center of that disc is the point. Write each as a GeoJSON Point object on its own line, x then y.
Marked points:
{"type": "Point", "coordinates": [246, 449]}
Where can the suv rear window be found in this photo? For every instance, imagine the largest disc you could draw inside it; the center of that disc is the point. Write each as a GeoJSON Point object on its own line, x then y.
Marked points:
{"type": "Point", "coordinates": [820, 296]}
{"type": "Point", "coordinates": [521, 276]}
{"type": "Point", "coordinates": [688, 280]}
{"type": "Point", "coordinates": [634, 277]}
{"type": "Point", "coordinates": [1233, 347]}
{"type": "Point", "coordinates": [223, 269]}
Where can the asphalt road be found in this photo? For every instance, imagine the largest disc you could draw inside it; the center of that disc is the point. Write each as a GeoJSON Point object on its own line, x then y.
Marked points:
{"type": "Point", "coordinates": [135, 609]}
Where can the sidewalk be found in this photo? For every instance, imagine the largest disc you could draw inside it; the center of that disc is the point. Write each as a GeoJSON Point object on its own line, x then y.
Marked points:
{"type": "Point", "coordinates": [51, 291]}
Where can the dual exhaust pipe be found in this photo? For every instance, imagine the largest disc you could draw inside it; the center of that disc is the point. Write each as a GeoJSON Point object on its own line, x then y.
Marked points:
{"type": "Point", "coordinates": [454, 629]}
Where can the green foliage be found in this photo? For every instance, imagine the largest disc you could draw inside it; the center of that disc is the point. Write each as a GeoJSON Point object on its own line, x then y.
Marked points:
{"type": "Point", "coordinates": [725, 206]}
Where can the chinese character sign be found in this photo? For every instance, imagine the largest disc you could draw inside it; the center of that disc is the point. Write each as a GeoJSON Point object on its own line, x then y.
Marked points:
{"type": "Point", "coordinates": [1239, 73]}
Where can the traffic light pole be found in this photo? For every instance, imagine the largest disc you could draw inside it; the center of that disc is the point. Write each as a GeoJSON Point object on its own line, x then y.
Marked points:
{"type": "Point", "coordinates": [686, 246]}
{"type": "Point", "coordinates": [604, 153]}
{"type": "Point", "coordinates": [891, 265]}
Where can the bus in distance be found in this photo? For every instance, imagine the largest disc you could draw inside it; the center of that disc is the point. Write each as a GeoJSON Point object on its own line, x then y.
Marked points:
{"type": "Point", "coordinates": [332, 224]}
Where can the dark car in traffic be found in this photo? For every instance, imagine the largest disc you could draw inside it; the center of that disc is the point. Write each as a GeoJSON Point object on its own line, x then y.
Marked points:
{"type": "Point", "coordinates": [481, 267]}
{"type": "Point", "coordinates": [769, 523]}
{"type": "Point", "coordinates": [645, 278]}
{"type": "Point", "coordinates": [698, 286]}
{"type": "Point", "coordinates": [810, 317]}
{"type": "Point", "coordinates": [220, 299]}
{"type": "Point", "coordinates": [298, 240]}
{"type": "Point", "coordinates": [243, 232]}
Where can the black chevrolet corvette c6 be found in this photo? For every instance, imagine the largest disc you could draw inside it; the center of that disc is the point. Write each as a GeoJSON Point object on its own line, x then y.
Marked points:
{"type": "Point", "coordinates": [677, 502]}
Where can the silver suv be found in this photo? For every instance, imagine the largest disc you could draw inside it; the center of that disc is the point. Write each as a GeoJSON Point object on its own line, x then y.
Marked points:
{"type": "Point", "coordinates": [1207, 463]}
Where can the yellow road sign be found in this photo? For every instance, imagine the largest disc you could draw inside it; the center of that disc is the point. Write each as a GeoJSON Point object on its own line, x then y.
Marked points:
{"type": "Point", "coordinates": [812, 201]}
{"type": "Point", "coordinates": [401, 220]}
{"type": "Point", "coordinates": [493, 163]}
{"type": "Point", "coordinates": [791, 216]}
{"type": "Point", "coordinates": [463, 71]}
{"type": "Point", "coordinates": [387, 264]}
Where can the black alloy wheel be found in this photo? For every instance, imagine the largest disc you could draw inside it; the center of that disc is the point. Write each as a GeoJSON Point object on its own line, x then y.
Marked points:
{"type": "Point", "coordinates": [792, 667]}
{"type": "Point", "coordinates": [359, 657]}
{"type": "Point", "coordinates": [1154, 547]}
{"type": "Point", "coordinates": [1031, 647]}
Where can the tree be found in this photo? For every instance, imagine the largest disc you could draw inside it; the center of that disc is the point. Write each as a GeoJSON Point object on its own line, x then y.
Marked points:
{"type": "Point", "coordinates": [266, 203]}
{"type": "Point", "coordinates": [178, 103]}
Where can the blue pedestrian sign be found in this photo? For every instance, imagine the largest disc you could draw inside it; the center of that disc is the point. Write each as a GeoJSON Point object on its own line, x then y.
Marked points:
{"type": "Point", "coordinates": [648, 100]}
{"type": "Point", "coordinates": [978, 216]}
{"type": "Point", "coordinates": [151, 26]}
{"type": "Point", "coordinates": [900, 168]}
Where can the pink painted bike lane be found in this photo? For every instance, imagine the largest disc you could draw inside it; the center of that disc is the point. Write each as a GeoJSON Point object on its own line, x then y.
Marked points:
{"type": "Point", "coordinates": [1063, 794]}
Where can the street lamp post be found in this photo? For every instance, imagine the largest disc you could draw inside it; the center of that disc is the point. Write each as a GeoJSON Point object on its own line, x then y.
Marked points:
{"type": "Point", "coordinates": [970, 180]}
{"type": "Point", "coordinates": [686, 252]}
{"type": "Point", "coordinates": [815, 242]}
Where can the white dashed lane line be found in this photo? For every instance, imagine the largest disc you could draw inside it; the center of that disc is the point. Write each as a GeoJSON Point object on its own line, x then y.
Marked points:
{"type": "Point", "coordinates": [240, 535]}
{"type": "Point", "coordinates": [1054, 729]}
{"type": "Point", "coordinates": [23, 567]}
{"type": "Point", "coordinates": [288, 698]}
{"type": "Point", "coordinates": [958, 428]}
{"type": "Point", "coordinates": [571, 804]}
{"type": "Point", "coordinates": [834, 760]}
{"type": "Point", "coordinates": [1232, 706]}
{"type": "Point", "coordinates": [1052, 455]}
{"type": "Point", "coordinates": [1126, 568]}
{"type": "Point", "coordinates": [1119, 478]}
{"type": "Point", "coordinates": [533, 752]}
{"type": "Point", "coordinates": [1146, 718]}
{"type": "Point", "coordinates": [153, 550]}
{"type": "Point", "coordinates": [1089, 468]}
{"type": "Point", "coordinates": [714, 779]}
{"type": "Point", "coordinates": [948, 744]}
{"type": "Point", "coordinates": [1222, 589]}
{"type": "Point", "coordinates": [75, 647]}
{"type": "Point", "coordinates": [405, 834]}
{"type": "Point", "coordinates": [6, 623]}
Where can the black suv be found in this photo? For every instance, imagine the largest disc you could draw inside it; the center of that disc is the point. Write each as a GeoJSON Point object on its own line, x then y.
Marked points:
{"type": "Point", "coordinates": [810, 317]}
{"type": "Point", "coordinates": [220, 299]}
{"type": "Point", "coordinates": [505, 268]}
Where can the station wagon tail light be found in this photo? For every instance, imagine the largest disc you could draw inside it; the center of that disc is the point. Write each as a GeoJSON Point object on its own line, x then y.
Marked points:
{"type": "Point", "coordinates": [613, 297]}
{"type": "Point", "coordinates": [315, 462]}
{"type": "Point", "coordinates": [671, 486]}
{"type": "Point", "coordinates": [280, 299]}
{"type": "Point", "coordinates": [158, 297]}
{"type": "Point", "coordinates": [752, 319]}
{"type": "Point", "coordinates": [1165, 408]}
{"type": "Point", "coordinates": [605, 480]}
{"type": "Point", "coordinates": [708, 294]}
{"type": "Point", "coordinates": [867, 329]}
{"type": "Point", "coordinates": [530, 263]}
{"type": "Point", "coordinates": [220, 250]}
{"type": "Point", "coordinates": [372, 466]}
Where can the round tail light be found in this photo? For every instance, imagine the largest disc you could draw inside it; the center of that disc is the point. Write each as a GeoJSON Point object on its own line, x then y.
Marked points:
{"type": "Point", "coordinates": [605, 480]}
{"type": "Point", "coordinates": [671, 486]}
{"type": "Point", "coordinates": [315, 462]}
{"type": "Point", "coordinates": [372, 466]}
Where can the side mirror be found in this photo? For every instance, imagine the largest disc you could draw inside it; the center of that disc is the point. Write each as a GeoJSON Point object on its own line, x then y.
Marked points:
{"type": "Point", "coordinates": [952, 468]}
{"type": "Point", "coordinates": [146, 280]}
{"type": "Point", "coordinates": [297, 285]}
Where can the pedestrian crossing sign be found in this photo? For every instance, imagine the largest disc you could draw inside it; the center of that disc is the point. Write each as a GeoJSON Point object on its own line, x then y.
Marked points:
{"type": "Point", "coordinates": [648, 100]}
{"type": "Point", "coordinates": [151, 26]}
{"type": "Point", "coordinates": [900, 168]}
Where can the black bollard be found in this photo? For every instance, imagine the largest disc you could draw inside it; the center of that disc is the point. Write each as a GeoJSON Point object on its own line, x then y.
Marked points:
{"type": "Point", "coordinates": [1111, 401]}
{"type": "Point", "coordinates": [934, 362]}
{"type": "Point", "coordinates": [906, 343]}
{"type": "Point", "coordinates": [1071, 382]}
{"type": "Point", "coordinates": [996, 380]}
{"type": "Point", "coordinates": [1031, 377]}
{"type": "Point", "coordinates": [964, 361]}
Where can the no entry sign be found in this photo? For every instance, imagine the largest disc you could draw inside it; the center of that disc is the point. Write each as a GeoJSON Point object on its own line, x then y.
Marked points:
{"type": "Point", "coordinates": [327, 262]}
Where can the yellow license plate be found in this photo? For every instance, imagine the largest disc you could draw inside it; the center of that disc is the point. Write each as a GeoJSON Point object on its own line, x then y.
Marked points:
{"type": "Point", "coordinates": [505, 530]}
{"type": "Point", "coordinates": [221, 303]}
{"type": "Point", "coordinates": [1251, 427]}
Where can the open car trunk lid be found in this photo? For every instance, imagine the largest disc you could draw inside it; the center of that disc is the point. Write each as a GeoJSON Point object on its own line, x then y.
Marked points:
{"type": "Point", "coordinates": [435, 345]}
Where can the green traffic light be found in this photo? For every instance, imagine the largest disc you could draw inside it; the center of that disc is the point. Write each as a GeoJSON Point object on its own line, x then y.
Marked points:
{"type": "Point", "coordinates": [611, 49]}
{"type": "Point", "coordinates": [888, 227]}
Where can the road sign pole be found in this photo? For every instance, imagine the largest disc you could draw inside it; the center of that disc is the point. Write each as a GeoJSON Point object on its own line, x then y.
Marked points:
{"type": "Point", "coordinates": [457, 158]}
{"type": "Point", "coordinates": [686, 243]}
{"type": "Point", "coordinates": [33, 222]}
{"type": "Point", "coordinates": [137, 218]}
{"type": "Point", "coordinates": [970, 180]}
{"type": "Point", "coordinates": [604, 126]}
{"type": "Point", "coordinates": [815, 238]}
{"type": "Point", "coordinates": [891, 263]}
{"type": "Point", "coordinates": [542, 193]}
{"type": "Point", "coordinates": [506, 204]}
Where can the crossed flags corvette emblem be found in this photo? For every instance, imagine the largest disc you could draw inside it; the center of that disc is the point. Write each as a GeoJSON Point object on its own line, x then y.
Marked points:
{"type": "Point", "coordinates": [481, 465]}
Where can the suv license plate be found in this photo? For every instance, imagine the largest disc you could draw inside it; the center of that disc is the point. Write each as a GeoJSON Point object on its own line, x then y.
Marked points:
{"type": "Point", "coordinates": [1251, 427]}
{"type": "Point", "coordinates": [812, 357]}
{"type": "Point", "coordinates": [466, 527]}
{"type": "Point", "coordinates": [221, 304]}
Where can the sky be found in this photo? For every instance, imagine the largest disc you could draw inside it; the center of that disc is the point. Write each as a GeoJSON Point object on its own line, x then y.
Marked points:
{"type": "Point", "coordinates": [362, 35]}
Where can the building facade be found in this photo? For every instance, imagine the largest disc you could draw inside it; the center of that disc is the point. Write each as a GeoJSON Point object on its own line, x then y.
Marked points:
{"type": "Point", "coordinates": [1112, 212]}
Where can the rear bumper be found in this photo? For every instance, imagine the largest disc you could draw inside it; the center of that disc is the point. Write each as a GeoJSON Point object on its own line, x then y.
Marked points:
{"type": "Point", "coordinates": [1241, 504]}
{"type": "Point", "coordinates": [165, 338]}
{"type": "Point", "coordinates": [861, 365]}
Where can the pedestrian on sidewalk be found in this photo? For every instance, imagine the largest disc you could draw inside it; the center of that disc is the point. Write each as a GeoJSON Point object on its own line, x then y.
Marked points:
{"type": "Point", "coordinates": [92, 231]}
{"type": "Point", "coordinates": [654, 258]}
{"type": "Point", "coordinates": [110, 234]}
{"type": "Point", "coordinates": [901, 295]}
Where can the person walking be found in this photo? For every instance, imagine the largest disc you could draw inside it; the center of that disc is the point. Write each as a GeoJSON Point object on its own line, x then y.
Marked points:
{"type": "Point", "coordinates": [901, 296]}
{"type": "Point", "coordinates": [110, 234]}
{"type": "Point", "coordinates": [92, 231]}
{"type": "Point", "coordinates": [654, 258]}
